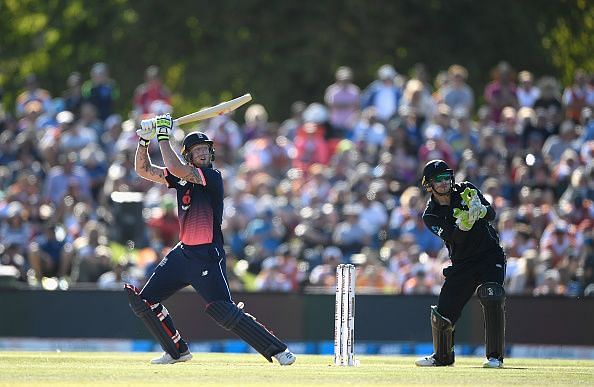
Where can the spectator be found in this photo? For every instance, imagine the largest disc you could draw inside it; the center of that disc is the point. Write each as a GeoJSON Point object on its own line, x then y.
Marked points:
{"type": "Point", "coordinates": [342, 98]}
{"type": "Point", "coordinates": [417, 100]}
{"type": "Point", "coordinates": [288, 128]}
{"type": "Point", "coordinates": [15, 231]}
{"type": "Point", "coordinates": [101, 90]}
{"type": "Point", "coordinates": [13, 262]}
{"type": "Point", "coordinates": [151, 90]}
{"type": "Point", "coordinates": [457, 94]}
{"type": "Point", "coordinates": [464, 135]}
{"type": "Point", "coordinates": [256, 122]}
{"type": "Point", "coordinates": [33, 93]}
{"type": "Point", "coordinates": [91, 255]}
{"type": "Point", "coordinates": [348, 235]}
{"type": "Point", "coordinates": [72, 96]}
{"type": "Point", "coordinates": [49, 254]}
{"type": "Point", "coordinates": [577, 96]}
{"type": "Point", "coordinates": [555, 145]}
{"type": "Point", "coordinates": [271, 278]}
{"type": "Point", "coordinates": [527, 92]}
{"type": "Point", "coordinates": [311, 147]}
{"type": "Point", "coordinates": [120, 275]}
{"type": "Point", "coordinates": [369, 134]}
{"type": "Point", "coordinates": [74, 137]}
{"type": "Point", "coordinates": [164, 223]}
{"type": "Point", "coordinates": [383, 94]}
{"type": "Point", "coordinates": [550, 103]}
{"type": "Point", "coordinates": [325, 274]}
{"type": "Point", "coordinates": [501, 92]}
{"type": "Point", "coordinates": [65, 176]}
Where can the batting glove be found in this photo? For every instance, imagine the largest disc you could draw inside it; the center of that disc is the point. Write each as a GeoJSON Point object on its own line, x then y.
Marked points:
{"type": "Point", "coordinates": [164, 126]}
{"type": "Point", "coordinates": [148, 130]}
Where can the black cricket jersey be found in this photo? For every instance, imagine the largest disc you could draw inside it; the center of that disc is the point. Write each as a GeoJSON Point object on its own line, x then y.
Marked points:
{"type": "Point", "coordinates": [200, 207]}
{"type": "Point", "coordinates": [480, 240]}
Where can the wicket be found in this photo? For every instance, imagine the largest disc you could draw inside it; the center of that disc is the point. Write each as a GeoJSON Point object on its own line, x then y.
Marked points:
{"type": "Point", "coordinates": [344, 316]}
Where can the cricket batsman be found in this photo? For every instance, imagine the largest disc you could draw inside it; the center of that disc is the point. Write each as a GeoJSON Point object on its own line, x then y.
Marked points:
{"type": "Point", "coordinates": [460, 216]}
{"type": "Point", "coordinates": [199, 258]}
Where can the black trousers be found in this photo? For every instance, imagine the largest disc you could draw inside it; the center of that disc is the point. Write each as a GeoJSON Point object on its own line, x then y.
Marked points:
{"type": "Point", "coordinates": [203, 267]}
{"type": "Point", "coordinates": [462, 279]}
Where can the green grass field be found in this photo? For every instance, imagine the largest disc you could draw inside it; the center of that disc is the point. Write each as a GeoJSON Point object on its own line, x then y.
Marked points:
{"type": "Point", "coordinates": [133, 369]}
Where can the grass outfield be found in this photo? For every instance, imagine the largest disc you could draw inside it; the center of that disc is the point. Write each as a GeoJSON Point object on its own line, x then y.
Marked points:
{"type": "Point", "coordinates": [132, 369]}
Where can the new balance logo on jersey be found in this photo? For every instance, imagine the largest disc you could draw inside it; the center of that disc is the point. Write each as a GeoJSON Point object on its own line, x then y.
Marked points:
{"type": "Point", "coordinates": [204, 273]}
{"type": "Point", "coordinates": [437, 230]}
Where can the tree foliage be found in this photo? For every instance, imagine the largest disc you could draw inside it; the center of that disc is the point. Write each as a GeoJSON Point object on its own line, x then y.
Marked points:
{"type": "Point", "coordinates": [283, 51]}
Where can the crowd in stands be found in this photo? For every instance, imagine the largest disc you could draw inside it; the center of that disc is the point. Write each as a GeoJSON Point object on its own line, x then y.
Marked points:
{"type": "Point", "coordinates": [336, 181]}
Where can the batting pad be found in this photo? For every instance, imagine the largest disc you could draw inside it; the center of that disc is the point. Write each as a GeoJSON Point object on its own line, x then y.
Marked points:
{"type": "Point", "coordinates": [492, 298]}
{"type": "Point", "coordinates": [152, 322]}
{"type": "Point", "coordinates": [244, 325]}
{"type": "Point", "coordinates": [443, 337]}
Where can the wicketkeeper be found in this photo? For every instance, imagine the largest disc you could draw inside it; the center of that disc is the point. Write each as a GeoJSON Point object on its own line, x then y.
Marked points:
{"type": "Point", "coordinates": [199, 258]}
{"type": "Point", "coordinates": [460, 216]}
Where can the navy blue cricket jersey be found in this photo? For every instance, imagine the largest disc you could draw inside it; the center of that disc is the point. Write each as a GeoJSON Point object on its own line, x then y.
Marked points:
{"type": "Point", "coordinates": [200, 207]}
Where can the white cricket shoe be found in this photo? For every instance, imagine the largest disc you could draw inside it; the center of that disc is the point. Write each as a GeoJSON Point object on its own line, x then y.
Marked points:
{"type": "Point", "coordinates": [166, 358]}
{"type": "Point", "coordinates": [285, 358]}
{"type": "Point", "coordinates": [430, 361]}
{"type": "Point", "coordinates": [493, 363]}
{"type": "Point", "coordinates": [427, 361]}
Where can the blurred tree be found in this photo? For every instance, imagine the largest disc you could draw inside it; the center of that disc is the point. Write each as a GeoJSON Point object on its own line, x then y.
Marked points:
{"type": "Point", "coordinates": [283, 51]}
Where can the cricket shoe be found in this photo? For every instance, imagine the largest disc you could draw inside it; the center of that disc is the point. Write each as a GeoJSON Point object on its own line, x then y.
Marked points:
{"type": "Point", "coordinates": [285, 358]}
{"type": "Point", "coordinates": [430, 361]}
{"type": "Point", "coordinates": [167, 359]}
{"type": "Point", "coordinates": [493, 363]}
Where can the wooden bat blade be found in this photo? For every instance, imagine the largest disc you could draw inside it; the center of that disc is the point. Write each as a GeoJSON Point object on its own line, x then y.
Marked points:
{"type": "Point", "coordinates": [213, 111]}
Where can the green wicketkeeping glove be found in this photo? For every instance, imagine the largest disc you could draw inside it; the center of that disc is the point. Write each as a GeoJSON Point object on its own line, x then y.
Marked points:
{"type": "Point", "coordinates": [463, 220]}
{"type": "Point", "coordinates": [476, 210]}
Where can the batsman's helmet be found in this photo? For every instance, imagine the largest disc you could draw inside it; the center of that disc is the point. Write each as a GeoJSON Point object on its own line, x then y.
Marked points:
{"type": "Point", "coordinates": [434, 168]}
{"type": "Point", "coordinates": [196, 138]}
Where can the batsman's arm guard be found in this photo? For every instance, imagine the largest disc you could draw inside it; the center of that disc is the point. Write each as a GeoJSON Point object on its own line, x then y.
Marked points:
{"type": "Point", "coordinates": [244, 325]}
{"type": "Point", "coordinates": [142, 309]}
{"type": "Point", "coordinates": [492, 298]}
{"type": "Point", "coordinates": [443, 338]}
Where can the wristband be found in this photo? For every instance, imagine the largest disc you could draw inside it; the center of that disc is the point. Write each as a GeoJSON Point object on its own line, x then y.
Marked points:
{"type": "Point", "coordinates": [144, 143]}
{"type": "Point", "coordinates": [162, 137]}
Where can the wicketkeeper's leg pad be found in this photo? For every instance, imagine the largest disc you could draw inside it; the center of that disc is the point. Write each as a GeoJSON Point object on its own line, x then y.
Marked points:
{"type": "Point", "coordinates": [244, 325]}
{"type": "Point", "coordinates": [154, 324]}
{"type": "Point", "coordinates": [492, 298]}
{"type": "Point", "coordinates": [443, 338]}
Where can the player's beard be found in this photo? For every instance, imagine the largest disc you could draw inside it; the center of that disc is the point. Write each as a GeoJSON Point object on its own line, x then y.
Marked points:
{"type": "Point", "coordinates": [202, 164]}
{"type": "Point", "coordinates": [447, 192]}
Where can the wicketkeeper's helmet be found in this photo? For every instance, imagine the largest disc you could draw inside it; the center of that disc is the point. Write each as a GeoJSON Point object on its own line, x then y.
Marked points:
{"type": "Point", "coordinates": [196, 138]}
{"type": "Point", "coordinates": [434, 168]}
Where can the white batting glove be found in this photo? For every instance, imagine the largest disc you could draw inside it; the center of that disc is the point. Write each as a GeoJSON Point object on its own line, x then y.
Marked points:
{"type": "Point", "coordinates": [147, 131]}
{"type": "Point", "coordinates": [164, 126]}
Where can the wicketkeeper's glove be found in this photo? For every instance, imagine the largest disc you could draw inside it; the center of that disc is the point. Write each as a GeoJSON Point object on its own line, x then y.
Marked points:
{"type": "Point", "coordinates": [463, 220]}
{"type": "Point", "coordinates": [476, 210]}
